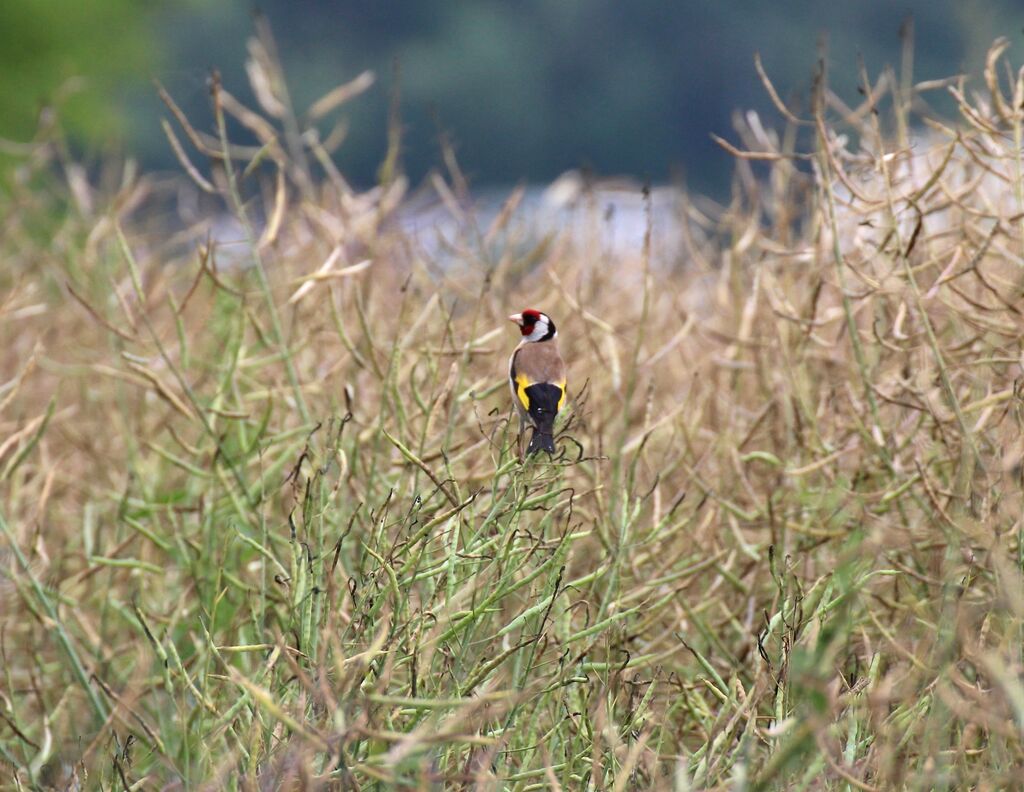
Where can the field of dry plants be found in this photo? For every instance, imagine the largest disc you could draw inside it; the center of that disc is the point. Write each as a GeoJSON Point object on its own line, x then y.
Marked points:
{"type": "Point", "coordinates": [263, 524]}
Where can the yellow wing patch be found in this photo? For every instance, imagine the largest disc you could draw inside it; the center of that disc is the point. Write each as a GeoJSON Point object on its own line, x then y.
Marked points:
{"type": "Point", "coordinates": [522, 383]}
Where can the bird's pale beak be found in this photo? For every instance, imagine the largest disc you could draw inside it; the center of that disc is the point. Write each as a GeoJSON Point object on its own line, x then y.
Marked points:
{"type": "Point", "coordinates": [517, 318]}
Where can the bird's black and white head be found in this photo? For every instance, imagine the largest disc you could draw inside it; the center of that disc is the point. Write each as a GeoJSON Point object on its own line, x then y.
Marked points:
{"type": "Point", "coordinates": [534, 325]}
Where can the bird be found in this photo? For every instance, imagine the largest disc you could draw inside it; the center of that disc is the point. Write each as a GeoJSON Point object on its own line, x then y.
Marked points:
{"type": "Point", "coordinates": [536, 375]}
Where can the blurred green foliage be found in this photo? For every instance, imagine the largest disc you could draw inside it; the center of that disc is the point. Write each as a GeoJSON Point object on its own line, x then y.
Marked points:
{"type": "Point", "coordinates": [79, 57]}
{"type": "Point", "coordinates": [526, 89]}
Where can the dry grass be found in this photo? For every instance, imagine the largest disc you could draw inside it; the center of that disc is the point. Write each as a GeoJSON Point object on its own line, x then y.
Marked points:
{"type": "Point", "coordinates": [264, 527]}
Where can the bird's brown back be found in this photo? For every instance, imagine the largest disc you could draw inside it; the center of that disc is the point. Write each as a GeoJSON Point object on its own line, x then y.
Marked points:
{"type": "Point", "coordinates": [541, 360]}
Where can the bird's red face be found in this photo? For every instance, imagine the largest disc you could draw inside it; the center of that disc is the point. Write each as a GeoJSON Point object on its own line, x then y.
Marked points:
{"type": "Point", "coordinates": [527, 320]}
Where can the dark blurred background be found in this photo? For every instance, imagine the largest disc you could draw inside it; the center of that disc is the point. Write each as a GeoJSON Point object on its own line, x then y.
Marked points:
{"type": "Point", "coordinates": [525, 90]}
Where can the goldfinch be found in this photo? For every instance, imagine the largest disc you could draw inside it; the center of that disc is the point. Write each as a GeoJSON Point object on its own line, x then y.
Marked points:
{"type": "Point", "coordinates": [536, 375]}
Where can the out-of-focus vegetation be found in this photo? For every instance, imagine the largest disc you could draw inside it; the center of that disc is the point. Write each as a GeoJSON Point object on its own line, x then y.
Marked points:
{"type": "Point", "coordinates": [526, 89]}
{"type": "Point", "coordinates": [75, 58]}
{"type": "Point", "coordinates": [262, 525]}
{"type": "Point", "coordinates": [532, 88]}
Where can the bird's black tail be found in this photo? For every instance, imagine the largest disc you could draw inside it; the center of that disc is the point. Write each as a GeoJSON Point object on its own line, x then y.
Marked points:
{"type": "Point", "coordinates": [541, 441]}
{"type": "Point", "coordinates": [544, 402]}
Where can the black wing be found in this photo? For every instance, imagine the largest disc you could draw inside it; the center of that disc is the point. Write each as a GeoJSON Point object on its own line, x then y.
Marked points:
{"type": "Point", "coordinates": [544, 398]}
